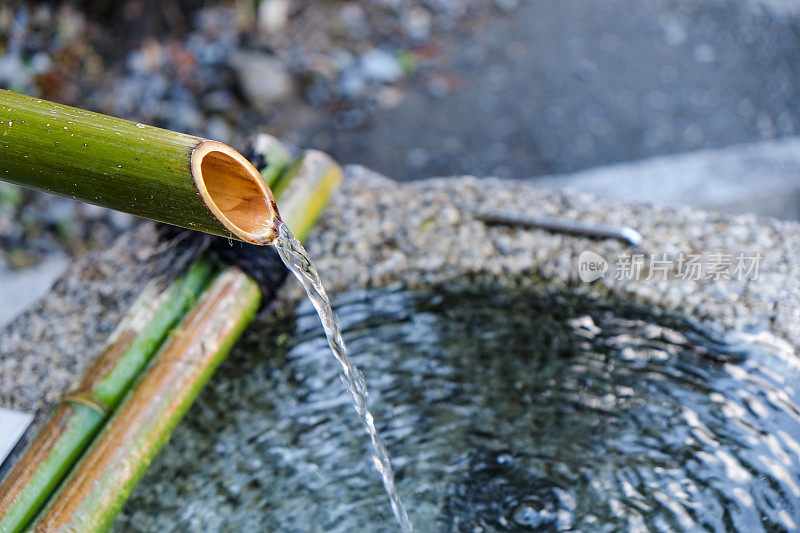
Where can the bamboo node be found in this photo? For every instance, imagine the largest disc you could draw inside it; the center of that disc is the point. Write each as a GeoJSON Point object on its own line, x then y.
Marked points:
{"type": "Point", "coordinates": [85, 398]}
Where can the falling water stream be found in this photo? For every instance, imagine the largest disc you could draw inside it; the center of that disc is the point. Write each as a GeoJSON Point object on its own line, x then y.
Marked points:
{"type": "Point", "coordinates": [297, 261]}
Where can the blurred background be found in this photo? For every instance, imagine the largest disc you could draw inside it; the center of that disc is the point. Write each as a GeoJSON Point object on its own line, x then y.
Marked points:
{"type": "Point", "coordinates": [677, 101]}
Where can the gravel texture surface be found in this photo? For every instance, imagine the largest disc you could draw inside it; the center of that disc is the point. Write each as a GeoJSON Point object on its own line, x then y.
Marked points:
{"type": "Point", "coordinates": [377, 231]}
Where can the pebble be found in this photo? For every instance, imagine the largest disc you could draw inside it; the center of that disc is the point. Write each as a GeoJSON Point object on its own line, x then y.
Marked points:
{"type": "Point", "coordinates": [352, 84]}
{"type": "Point", "coordinates": [273, 14]}
{"type": "Point", "coordinates": [219, 129]}
{"type": "Point", "coordinates": [13, 72]}
{"type": "Point", "coordinates": [380, 66]}
{"type": "Point", "coordinates": [704, 53]}
{"type": "Point", "coordinates": [417, 23]}
{"type": "Point", "coordinates": [674, 31]}
{"type": "Point", "coordinates": [353, 17]}
{"type": "Point", "coordinates": [263, 78]}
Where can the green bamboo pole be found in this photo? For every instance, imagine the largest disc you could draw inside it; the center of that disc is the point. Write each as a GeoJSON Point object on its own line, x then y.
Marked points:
{"type": "Point", "coordinates": [82, 413]}
{"type": "Point", "coordinates": [102, 481]}
{"type": "Point", "coordinates": [150, 172]}
{"type": "Point", "coordinates": [98, 487]}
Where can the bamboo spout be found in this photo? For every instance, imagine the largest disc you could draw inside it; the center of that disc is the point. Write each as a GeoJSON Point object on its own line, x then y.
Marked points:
{"type": "Point", "coordinates": [234, 191]}
{"type": "Point", "coordinates": [154, 173]}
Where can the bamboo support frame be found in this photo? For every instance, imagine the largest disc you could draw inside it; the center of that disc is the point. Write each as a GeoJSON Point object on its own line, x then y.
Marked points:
{"type": "Point", "coordinates": [103, 479]}
{"type": "Point", "coordinates": [82, 413]}
{"type": "Point", "coordinates": [159, 174]}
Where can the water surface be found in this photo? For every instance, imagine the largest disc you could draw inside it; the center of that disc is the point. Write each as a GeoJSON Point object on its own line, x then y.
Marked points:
{"type": "Point", "coordinates": [502, 412]}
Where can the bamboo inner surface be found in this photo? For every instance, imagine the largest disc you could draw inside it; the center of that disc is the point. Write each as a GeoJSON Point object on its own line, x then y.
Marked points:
{"type": "Point", "coordinates": [235, 192]}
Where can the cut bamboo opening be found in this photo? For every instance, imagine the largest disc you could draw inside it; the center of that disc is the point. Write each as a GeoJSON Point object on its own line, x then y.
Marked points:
{"type": "Point", "coordinates": [235, 192]}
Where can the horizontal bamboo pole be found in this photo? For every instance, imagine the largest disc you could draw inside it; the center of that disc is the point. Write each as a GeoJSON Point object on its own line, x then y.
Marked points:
{"type": "Point", "coordinates": [159, 174]}
{"type": "Point", "coordinates": [81, 414]}
{"type": "Point", "coordinates": [102, 481]}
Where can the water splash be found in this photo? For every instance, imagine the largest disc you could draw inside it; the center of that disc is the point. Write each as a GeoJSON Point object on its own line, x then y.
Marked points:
{"type": "Point", "coordinates": [297, 261]}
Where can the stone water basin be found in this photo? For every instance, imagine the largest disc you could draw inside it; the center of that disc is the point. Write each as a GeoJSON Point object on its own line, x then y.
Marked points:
{"type": "Point", "coordinates": [503, 411]}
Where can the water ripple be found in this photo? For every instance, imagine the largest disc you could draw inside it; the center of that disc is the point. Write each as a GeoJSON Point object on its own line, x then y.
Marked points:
{"type": "Point", "coordinates": [502, 413]}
